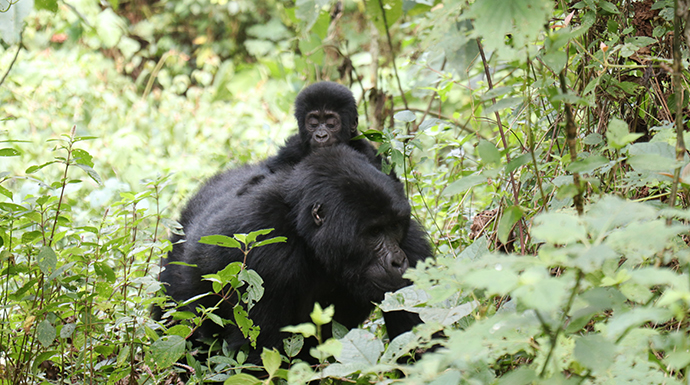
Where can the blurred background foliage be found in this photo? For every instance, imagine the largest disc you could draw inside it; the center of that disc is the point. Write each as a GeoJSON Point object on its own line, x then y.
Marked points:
{"type": "Point", "coordinates": [541, 144]}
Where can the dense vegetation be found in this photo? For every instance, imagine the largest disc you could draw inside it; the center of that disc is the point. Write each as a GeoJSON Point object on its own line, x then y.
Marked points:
{"type": "Point", "coordinates": [541, 143]}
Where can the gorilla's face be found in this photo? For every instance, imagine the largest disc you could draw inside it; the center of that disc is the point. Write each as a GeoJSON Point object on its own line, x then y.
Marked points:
{"type": "Point", "coordinates": [355, 227]}
{"type": "Point", "coordinates": [323, 128]}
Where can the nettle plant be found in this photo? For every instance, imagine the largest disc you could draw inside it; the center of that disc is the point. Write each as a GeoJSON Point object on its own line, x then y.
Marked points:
{"type": "Point", "coordinates": [605, 297]}
{"type": "Point", "coordinates": [75, 285]}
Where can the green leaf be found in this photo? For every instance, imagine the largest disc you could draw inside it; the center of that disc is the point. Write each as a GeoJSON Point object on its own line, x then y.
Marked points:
{"type": "Point", "coordinates": [255, 288]}
{"type": "Point", "coordinates": [47, 260]}
{"type": "Point", "coordinates": [104, 270]}
{"type": "Point", "coordinates": [588, 164]}
{"type": "Point", "coordinates": [511, 215]}
{"type": "Point", "coordinates": [503, 104]}
{"type": "Point", "coordinates": [595, 352]}
{"type": "Point", "coordinates": [309, 11]}
{"type": "Point", "coordinates": [251, 237]}
{"type": "Point", "coordinates": [109, 27]}
{"type": "Point", "coordinates": [33, 169]}
{"type": "Point", "coordinates": [45, 333]}
{"type": "Point", "coordinates": [538, 290]}
{"type": "Point", "coordinates": [271, 360]}
{"type": "Point", "coordinates": [609, 7]}
{"type": "Point", "coordinates": [621, 322]}
{"type": "Point", "coordinates": [446, 316]}
{"type": "Point", "coordinates": [220, 240]}
{"type": "Point", "coordinates": [331, 347]}
{"type": "Point", "coordinates": [393, 9]}
{"type": "Point", "coordinates": [305, 329]}
{"type": "Point", "coordinates": [558, 228]}
{"type": "Point", "coordinates": [463, 184]}
{"type": "Point", "coordinates": [9, 152]}
{"type": "Point", "coordinates": [618, 135]}
{"type": "Point", "coordinates": [246, 325]}
{"type": "Point", "coordinates": [167, 350]}
{"type": "Point", "coordinates": [270, 241]}
{"type": "Point", "coordinates": [293, 345]}
{"type": "Point", "coordinates": [322, 316]}
{"type": "Point", "coordinates": [12, 21]}
{"type": "Point", "coordinates": [406, 116]}
{"type": "Point", "coordinates": [523, 20]}
{"type": "Point", "coordinates": [300, 373]}
{"type": "Point", "coordinates": [488, 152]}
{"type": "Point", "coordinates": [360, 347]}
{"type": "Point", "coordinates": [242, 379]}
{"type": "Point", "coordinates": [519, 161]}
{"type": "Point", "coordinates": [499, 280]}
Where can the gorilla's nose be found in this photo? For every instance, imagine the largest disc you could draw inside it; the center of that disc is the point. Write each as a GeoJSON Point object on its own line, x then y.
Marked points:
{"type": "Point", "coordinates": [399, 261]}
{"type": "Point", "coordinates": [321, 136]}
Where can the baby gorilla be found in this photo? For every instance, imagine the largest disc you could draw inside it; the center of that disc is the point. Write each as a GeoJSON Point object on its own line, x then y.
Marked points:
{"type": "Point", "coordinates": [349, 235]}
{"type": "Point", "coordinates": [326, 114]}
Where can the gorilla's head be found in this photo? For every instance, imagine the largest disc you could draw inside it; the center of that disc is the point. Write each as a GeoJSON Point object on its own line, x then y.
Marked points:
{"type": "Point", "coordinates": [354, 218]}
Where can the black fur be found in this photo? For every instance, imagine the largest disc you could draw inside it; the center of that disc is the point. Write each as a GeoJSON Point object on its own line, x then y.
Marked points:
{"type": "Point", "coordinates": [347, 227]}
{"type": "Point", "coordinates": [323, 96]}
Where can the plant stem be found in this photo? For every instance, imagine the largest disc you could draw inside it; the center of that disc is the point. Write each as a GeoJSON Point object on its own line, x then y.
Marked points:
{"type": "Point", "coordinates": [516, 196]}
{"type": "Point", "coordinates": [678, 89]}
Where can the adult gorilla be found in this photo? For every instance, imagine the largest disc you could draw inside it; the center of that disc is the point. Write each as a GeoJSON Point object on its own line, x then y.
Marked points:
{"type": "Point", "coordinates": [349, 235]}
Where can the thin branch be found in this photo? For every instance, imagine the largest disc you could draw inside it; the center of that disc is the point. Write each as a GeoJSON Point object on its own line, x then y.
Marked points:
{"type": "Point", "coordinates": [16, 55]}
{"type": "Point", "coordinates": [390, 45]}
{"type": "Point", "coordinates": [571, 135]}
{"type": "Point", "coordinates": [678, 89]}
{"type": "Point", "coordinates": [516, 196]}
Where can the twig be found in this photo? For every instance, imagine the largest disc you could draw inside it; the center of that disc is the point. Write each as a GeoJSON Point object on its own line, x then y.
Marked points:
{"type": "Point", "coordinates": [516, 196]}
{"type": "Point", "coordinates": [571, 135]}
{"type": "Point", "coordinates": [390, 45]}
{"type": "Point", "coordinates": [19, 48]}
{"type": "Point", "coordinates": [415, 127]}
{"type": "Point", "coordinates": [554, 336]}
{"type": "Point", "coordinates": [678, 89]}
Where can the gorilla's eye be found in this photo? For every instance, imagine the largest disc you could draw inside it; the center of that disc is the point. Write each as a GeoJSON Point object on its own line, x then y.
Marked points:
{"type": "Point", "coordinates": [318, 217]}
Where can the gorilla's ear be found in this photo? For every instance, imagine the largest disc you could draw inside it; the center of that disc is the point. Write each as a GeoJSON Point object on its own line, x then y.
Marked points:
{"type": "Point", "coordinates": [353, 129]}
{"type": "Point", "coordinates": [318, 217]}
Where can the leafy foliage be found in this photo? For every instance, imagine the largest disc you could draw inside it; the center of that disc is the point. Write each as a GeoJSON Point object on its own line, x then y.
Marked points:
{"type": "Point", "coordinates": [541, 144]}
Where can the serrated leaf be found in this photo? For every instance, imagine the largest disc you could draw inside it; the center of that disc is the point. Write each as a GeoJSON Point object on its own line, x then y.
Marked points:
{"type": "Point", "coordinates": [558, 228]}
{"type": "Point", "coordinates": [167, 350]}
{"type": "Point", "coordinates": [618, 135]}
{"type": "Point", "coordinates": [446, 316]}
{"type": "Point", "coordinates": [47, 260]}
{"type": "Point", "coordinates": [360, 347]}
{"type": "Point", "coordinates": [594, 352]}
{"type": "Point", "coordinates": [45, 333]}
